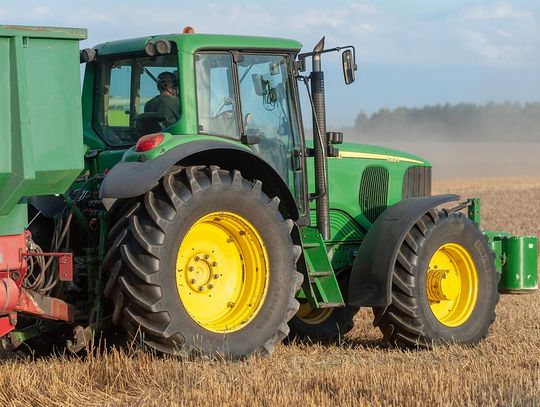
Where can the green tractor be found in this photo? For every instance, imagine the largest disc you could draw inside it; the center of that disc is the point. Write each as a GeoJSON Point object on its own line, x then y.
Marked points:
{"type": "Point", "coordinates": [181, 204]}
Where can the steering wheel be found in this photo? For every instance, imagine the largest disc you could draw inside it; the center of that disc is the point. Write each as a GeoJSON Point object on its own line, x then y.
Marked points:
{"type": "Point", "coordinates": [225, 115]}
{"type": "Point", "coordinates": [227, 101]}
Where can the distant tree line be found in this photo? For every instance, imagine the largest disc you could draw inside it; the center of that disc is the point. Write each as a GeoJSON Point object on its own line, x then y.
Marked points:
{"type": "Point", "coordinates": [512, 122]}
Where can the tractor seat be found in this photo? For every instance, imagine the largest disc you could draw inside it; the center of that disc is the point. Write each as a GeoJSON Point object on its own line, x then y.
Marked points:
{"type": "Point", "coordinates": [149, 122]}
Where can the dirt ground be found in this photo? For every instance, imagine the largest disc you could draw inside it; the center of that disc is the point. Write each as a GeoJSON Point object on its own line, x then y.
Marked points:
{"type": "Point", "coordinates": [503, 370]}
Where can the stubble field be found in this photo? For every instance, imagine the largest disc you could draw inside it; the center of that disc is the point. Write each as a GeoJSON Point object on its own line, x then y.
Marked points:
{"type": "Point", "coordinates": [503, 370]}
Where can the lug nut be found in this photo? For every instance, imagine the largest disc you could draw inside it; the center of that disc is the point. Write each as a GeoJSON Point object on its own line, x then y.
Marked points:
{"type": "Point", "coordinates": [193, 281]}
{"type": "Point", "coordinates": [216, 276]}
{"type": "Point", "coordinates": [210, 286]}
{"type": "Point", "coordinates": [197, 258]}
{"type": "Point", "coordinates": [206, 257]}
{"type": "Point", "coordinates": [191, 268]}
{"type": "Point", "coordinates": [201, 288]}
{"type": "Point", "coordinates": [214, 264]}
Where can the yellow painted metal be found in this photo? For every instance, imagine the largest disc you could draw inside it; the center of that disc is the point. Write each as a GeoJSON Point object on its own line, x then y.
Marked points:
{"type": "Point", "coordinates": [312, 316]}
{"type": "Point", "coordinates": [452, 284]}
{"type": "Point", "coordinates": [222, 272]}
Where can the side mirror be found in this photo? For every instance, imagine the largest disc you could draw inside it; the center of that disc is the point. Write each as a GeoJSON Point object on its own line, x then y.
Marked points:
{"type": "Point", "coordinates": [258, 85]}
{"type": "Point", "coordinates": [349, 66]}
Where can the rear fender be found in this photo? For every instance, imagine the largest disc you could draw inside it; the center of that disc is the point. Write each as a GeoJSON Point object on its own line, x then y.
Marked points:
{"type": "Point", "coordinates": [371, 276]}
{"type": "Point", "coordinates": [128, 179]}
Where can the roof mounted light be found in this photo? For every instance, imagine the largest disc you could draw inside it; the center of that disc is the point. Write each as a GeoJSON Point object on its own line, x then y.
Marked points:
{"type": "Point", "coordinates": [160, 47]}
{"type": "Point", "coordinates": [150, 49]}
{"type": "Point", "coordinates": [163, 47]}
{"type": "Point", "coordinates": [188, 30]}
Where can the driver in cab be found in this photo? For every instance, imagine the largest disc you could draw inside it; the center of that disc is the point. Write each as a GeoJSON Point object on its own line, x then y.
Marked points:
{"type": "Point", "coordinates": [167, 103]}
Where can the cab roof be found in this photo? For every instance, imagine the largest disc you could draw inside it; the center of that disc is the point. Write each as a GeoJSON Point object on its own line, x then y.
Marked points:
{"type": "Point", "coordinates": [189, 43]}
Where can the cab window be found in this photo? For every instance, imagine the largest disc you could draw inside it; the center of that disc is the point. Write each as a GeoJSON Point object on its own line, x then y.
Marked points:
{"type": "Point", "coordinates": [216, 106]}
{"type": "Point", "coordinates": [129, 102]}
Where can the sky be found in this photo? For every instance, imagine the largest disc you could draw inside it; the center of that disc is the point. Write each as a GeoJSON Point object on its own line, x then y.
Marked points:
{"type": "Point", "coordinates": [409, 53]}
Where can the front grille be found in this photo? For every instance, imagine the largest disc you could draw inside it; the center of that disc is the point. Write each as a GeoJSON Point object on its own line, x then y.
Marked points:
{"type": "Point", "coordinates": [417, 182]}
{"type": "Point", "coordinates": [374, 191]}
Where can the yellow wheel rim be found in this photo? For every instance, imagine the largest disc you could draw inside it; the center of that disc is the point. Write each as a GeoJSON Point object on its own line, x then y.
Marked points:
{"type": "Point", "coordinates": [312, 316]}
{"type": "Point", "coordinates": [222, 272]}
{"type": "Point", "coordinates": [452, 284]}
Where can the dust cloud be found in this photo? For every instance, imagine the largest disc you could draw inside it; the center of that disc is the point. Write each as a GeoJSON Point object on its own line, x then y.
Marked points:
{"type": "Point", "coordinates": [472, 159]}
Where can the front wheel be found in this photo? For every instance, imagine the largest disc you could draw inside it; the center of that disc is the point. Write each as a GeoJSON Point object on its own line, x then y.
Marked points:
{"type": "Point", "coordinates": [444, 285]}
{"type": "Point", "coordinates": [205, 263]}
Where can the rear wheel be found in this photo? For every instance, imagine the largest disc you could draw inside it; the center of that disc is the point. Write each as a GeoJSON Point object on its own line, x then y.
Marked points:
{"type": "Point", "coordinates": [204, 263]}
{"type": "Point", "coordinates": [444, 285]}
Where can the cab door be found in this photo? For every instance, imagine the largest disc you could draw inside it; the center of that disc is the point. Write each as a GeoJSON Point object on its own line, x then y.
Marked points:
{"type": "Point", "coordinates": [269, 115]}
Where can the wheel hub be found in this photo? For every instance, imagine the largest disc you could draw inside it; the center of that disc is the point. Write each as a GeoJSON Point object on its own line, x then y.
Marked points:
{"type": "Point", "coordinates": [443, 284]}
{"type": "Point", "coordinates": [202, 272]}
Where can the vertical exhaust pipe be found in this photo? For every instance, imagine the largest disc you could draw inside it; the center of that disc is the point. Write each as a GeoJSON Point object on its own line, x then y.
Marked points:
{"type": "Point", "coordinates": [320, 142]}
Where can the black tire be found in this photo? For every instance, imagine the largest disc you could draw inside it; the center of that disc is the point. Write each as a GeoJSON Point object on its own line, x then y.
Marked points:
{"type": "Point", "coordinates": [325, 325]}
{"type": "Point", "coordinates": [409, 321]}
{"type": "Point", "coordinates": [141, 264]}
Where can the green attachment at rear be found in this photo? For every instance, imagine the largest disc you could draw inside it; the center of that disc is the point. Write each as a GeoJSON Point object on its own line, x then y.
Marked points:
{"type": "Point", "coordinates": [321, 287]}
{"type": "Point", "coordinates": [519, 271]}
{"type": "Point", "coordinates": [516, 258]}
{"type": "Point", "coordinates": [495, 240]}
{"type": "Point", "coordinates": [40, 116]}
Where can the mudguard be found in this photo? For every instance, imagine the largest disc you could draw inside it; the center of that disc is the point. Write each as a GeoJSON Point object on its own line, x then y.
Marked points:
{"type": "Point", "coordinates": [128, 179]}
{"type": "Point", "coordinates": [371, 276]}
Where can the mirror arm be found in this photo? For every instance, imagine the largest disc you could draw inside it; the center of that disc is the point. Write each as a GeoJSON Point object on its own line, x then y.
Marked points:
{"type": "Point", "coordinates": [324, 51]}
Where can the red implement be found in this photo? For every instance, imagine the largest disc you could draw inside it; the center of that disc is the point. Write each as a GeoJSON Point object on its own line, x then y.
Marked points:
{"type": "Point", "coordinates": [9, 295]}
{"type": "Point", "coordinates": [42, 306]}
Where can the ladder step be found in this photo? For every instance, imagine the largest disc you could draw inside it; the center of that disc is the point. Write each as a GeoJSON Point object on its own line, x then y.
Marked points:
{"type": "Point", "coordinates": [320, 273]}
{"type": "Point", "coordinates": [310, 245]}
{"type": "Point", "coordinates": [331, 304]}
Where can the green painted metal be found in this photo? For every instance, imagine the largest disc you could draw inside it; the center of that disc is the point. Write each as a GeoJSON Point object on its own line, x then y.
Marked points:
{"type": "Point", "coordinates": [16, 338]}
{"type": "Point", "coordinates": [15, 221]}
{"type": "Point", "coordinates": [40, 120]}
{"type": "Point", "coordinates": [520, 269]}
{"type": "Point", "coordinates": [171, 141]}
{"type": "Point", "coordinates": [345, 238]}
{"type": "Point", "coordinates": [516, 257]}
{"type": "Point", "coordinates": [350, 165]}
{"type": "Point", "coordinates": [189, 43]}
{"type": "Point", "coordinates": [320, 287]}
{"type": "Point", "coordinates": [495, 240]}
{"type": "Point", "coordinates": [473, 210]}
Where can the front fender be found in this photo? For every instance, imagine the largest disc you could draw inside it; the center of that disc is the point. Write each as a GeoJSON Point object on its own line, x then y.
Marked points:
{"type": "Point", "coordinates": [371, 277]}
